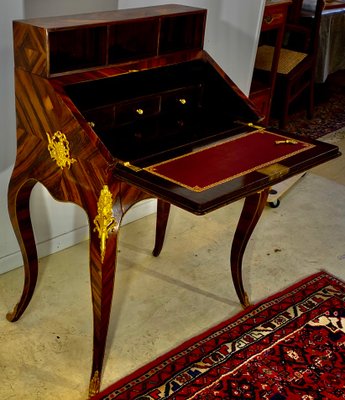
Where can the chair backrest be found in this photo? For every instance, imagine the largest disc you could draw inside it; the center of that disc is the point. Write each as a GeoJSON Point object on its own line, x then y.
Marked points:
{"type": "Point", "coordinates": [294, 11]}
{"type": "Point", "coordinates": [303, 25]}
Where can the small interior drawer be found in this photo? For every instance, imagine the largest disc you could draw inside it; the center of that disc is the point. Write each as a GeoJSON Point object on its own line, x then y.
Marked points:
{"type": "Point", "coordinates": [101, 117]}
{"type": "Point", "coordinates": [137, 110]}
{"type": "Point", "coordinates": [181, 100]}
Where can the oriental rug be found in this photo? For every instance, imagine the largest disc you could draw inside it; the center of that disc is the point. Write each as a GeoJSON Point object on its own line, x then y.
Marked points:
{"type": "Point", "coordinates": [289, 346]}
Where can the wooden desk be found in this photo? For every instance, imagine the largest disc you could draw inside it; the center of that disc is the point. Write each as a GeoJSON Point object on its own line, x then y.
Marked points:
{"type": "Point", "coordinates": [111, 108]}
{"type": "Point", "coordinates": [262, 90]}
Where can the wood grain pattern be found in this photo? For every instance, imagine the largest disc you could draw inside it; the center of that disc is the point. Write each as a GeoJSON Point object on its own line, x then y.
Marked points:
{"type": "Point", "coordinates": [41, 110]}
{"type": "Point", "coordinates": [30, 49]}
{"type": "Point", "coordinates": [49, 46]}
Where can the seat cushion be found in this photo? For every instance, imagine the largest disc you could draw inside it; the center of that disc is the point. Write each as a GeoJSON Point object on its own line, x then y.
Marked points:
{"type": "Point", "coordinates": [288, 59]}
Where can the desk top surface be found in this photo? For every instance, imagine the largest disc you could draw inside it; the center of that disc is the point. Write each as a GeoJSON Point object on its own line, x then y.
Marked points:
{"type": "Point", "coordinates": [104, 17]}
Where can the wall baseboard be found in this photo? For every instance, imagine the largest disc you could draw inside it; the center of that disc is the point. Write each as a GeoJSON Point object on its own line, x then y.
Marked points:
{"type": "Point", "coordinates": [69, 239]}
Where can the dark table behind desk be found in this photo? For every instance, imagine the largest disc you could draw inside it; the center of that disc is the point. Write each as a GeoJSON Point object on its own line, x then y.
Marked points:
{"type": "Point", "coordinates": [331, 54]}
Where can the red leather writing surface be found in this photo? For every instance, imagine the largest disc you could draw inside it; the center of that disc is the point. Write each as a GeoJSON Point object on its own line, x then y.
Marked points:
{"type": "Point", "coordinates": [228, 160]}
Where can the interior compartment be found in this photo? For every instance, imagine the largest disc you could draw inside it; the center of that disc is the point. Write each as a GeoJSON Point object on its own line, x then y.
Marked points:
{"type": "Point", "coordinates": [130, 40]}
{"type": "Point", "coordinates": [181, 33]}
{"type": "Point", "coordinates": [66, 56]}
{"type": "Point", "coordinates": [180, 105]}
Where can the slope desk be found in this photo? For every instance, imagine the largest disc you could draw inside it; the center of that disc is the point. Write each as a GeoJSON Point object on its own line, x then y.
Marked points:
{"type": "Point", "coordinates": [116, 107]}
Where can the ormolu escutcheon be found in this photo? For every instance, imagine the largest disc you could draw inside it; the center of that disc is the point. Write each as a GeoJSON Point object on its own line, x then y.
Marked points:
{"type": "Point", "coordinates": [58, 147]}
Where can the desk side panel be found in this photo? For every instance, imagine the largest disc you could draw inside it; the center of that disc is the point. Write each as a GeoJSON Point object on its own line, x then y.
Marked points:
{"type": "Point", "coordinates": [52, 147]}
{"type": "Point", "coordinates": [30, 48]}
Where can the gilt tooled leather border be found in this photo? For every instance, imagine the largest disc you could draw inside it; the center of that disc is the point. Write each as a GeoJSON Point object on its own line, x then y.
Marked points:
{"type": "Point", "coordinates": [154, 169]}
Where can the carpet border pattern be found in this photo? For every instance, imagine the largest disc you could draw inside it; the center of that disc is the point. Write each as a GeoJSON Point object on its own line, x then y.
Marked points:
{"type": "Point", "coordinates": [169, 375]}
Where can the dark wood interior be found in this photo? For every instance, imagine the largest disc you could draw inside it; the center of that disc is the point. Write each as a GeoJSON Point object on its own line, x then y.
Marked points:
{"type": "Point", "coordinates": [151, 112]}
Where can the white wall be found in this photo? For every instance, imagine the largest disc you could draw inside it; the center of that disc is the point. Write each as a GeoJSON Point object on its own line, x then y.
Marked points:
{"type": "Point", "coordinates": [9, 10]}
{"type": "Point", "coordinates": [231, 38]}
{"type": "Point", "coordinates": [44, 8]}
{"type": "Point", "coordinates": [232, 32]}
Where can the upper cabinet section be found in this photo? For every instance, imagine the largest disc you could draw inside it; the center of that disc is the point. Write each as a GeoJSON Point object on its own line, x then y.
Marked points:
{"type": "Point", "coordinates": [59, 45]}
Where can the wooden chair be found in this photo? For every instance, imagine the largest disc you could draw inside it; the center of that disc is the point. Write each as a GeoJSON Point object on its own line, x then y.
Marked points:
{"type": "Point", "coordinates": [262, 86]}
{"type": "Point", "coordinates": [296, 66]}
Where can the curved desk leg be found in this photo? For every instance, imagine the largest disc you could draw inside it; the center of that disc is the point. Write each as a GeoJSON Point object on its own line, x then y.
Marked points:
{"type": "Point", "coordinates": [103, 255]}
{"type": "Point", "coordinates": [19, 211]}
{"type": "Point", "coordinates": [251, 212]}
{"type": "Point", "coordinates": [163, 211]}
{"type": "Point", "coordinates": [102, 275]}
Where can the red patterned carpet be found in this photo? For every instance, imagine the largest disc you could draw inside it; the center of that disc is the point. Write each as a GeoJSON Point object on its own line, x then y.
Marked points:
{"type": "Point", "coordinates": [290, 346]}
{"type": "Point", "coordinates": [329, 114]}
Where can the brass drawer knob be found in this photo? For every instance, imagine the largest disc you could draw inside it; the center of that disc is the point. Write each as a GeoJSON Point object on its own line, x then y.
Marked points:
{"type": "Point", "coordinates": [139, 111]}
{"type": "Point", "coordinates": [182, 101]}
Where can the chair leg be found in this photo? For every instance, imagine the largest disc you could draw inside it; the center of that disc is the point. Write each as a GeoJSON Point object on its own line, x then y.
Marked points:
{"type": "Point", "coordinates": [285, 108]}
{"type": "Point", "coordinates": [310, 109]}
{"type": "Point", "coordinates": [284, 116]}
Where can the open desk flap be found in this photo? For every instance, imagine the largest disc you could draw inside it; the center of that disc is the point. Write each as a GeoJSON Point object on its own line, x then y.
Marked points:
{"type": "Point", "coordinates": [233, 158]}
{"type": "Point", "coordinates": [220, 173]}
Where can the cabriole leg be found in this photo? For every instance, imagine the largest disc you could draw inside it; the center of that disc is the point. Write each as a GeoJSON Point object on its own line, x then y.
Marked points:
{"type": "Point", "coordinates": [251, 212]}
{"type": "Point", "coordinates": [163, 211]}
{"type": "Point", "coordinates": [19, 211]}
{"type": "Point", "coordinates": [103, 251]}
